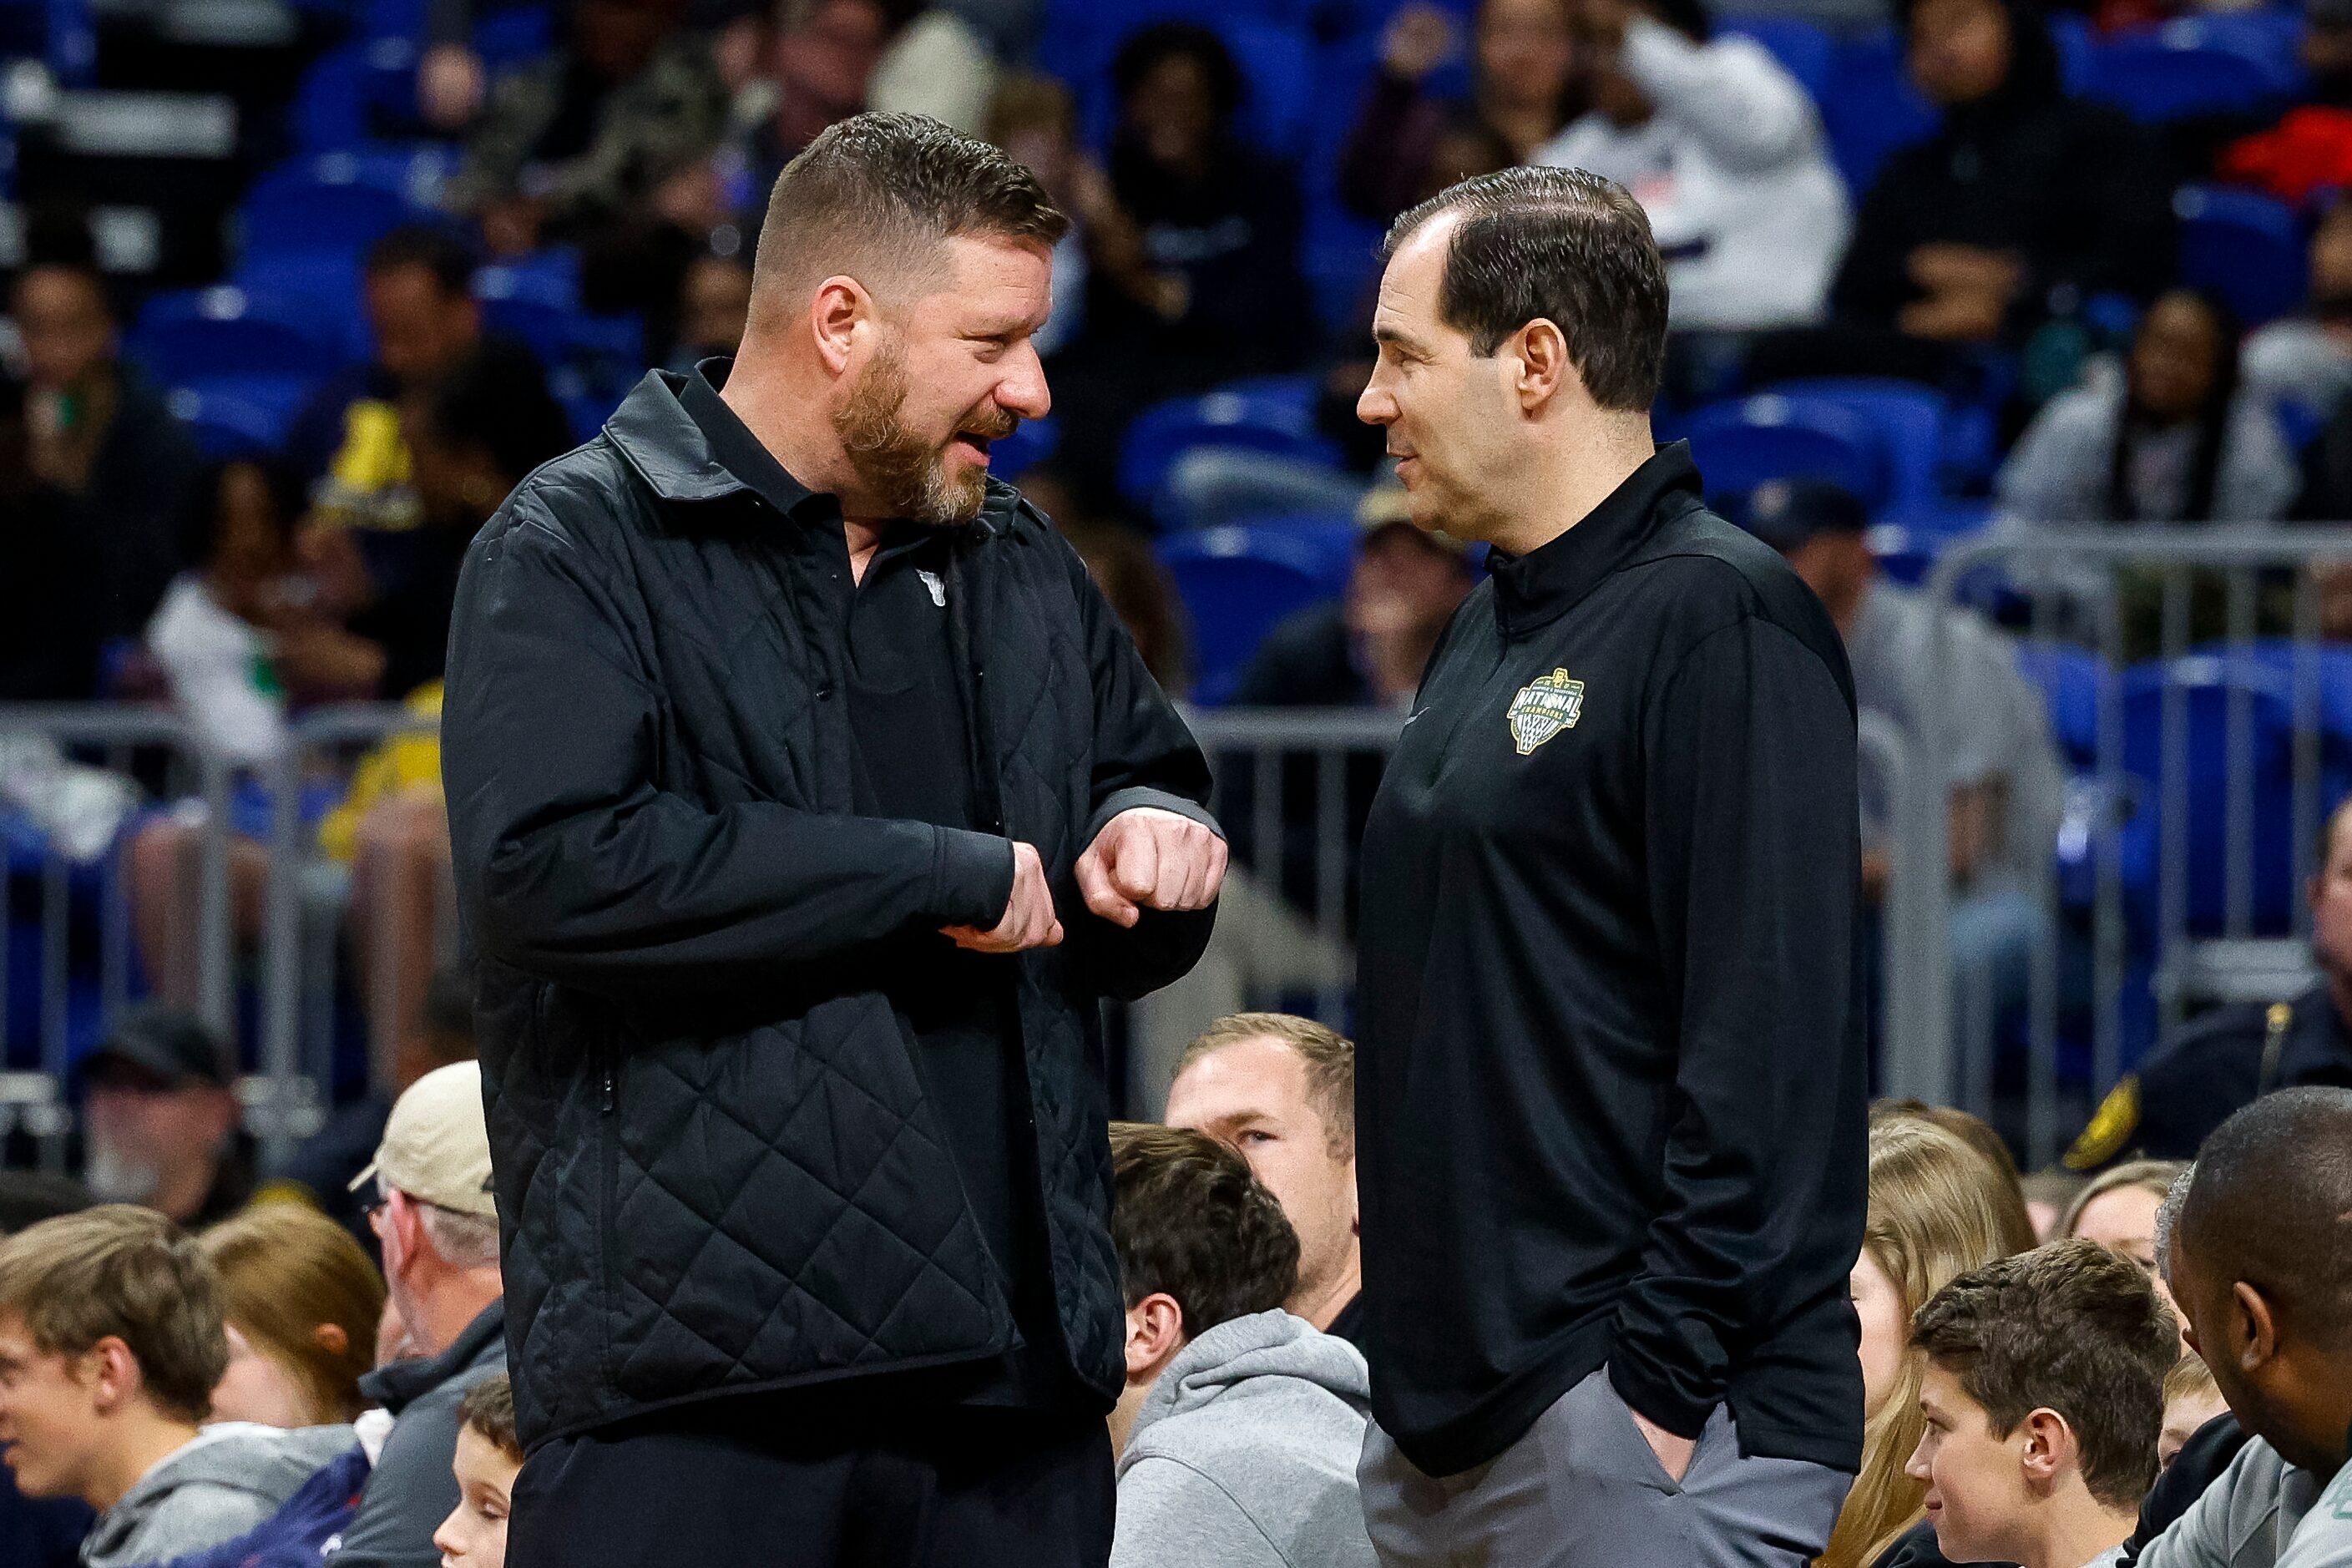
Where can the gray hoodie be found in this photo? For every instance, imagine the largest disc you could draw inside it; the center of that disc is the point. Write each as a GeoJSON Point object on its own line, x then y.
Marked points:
{"type": "Point", "coordinates": [2261, 1512]}
{"type": "Point", "coordinates": [1243, 1455]}
{"type": "Point", "coordinates": [230, 1478]}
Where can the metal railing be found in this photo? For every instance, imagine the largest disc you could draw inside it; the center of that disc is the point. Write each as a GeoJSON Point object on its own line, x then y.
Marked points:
{"type": "Point", "coordinates": [1292, 787]}
{"type": "Point", "coordinates": [2212, 756]}
{"type": "Point", "coordinates": [50, 741]}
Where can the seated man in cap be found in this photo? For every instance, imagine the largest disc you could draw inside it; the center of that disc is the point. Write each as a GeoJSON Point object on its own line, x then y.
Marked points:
{"type": "Point", "coordinates": [428, 1196]}
{"type": "Point", "coordinates": [162, 1126]}
{"type": "Point", "coordinates": [1999, 764]}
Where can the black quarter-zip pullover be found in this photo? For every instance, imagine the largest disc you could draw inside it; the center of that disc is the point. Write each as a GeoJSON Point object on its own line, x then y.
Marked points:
{"type": "Point", "coordinates": [1611, 1100]}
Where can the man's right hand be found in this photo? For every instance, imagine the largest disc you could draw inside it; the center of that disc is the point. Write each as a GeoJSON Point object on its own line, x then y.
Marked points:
{"type": "Point", "coordinates": [1029, 919]}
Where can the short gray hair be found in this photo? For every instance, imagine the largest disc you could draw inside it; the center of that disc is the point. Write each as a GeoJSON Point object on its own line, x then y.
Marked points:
{"type": "Point", "coordinates": [463, 1241]}
{"type": "Point", "coordinates": [2167, 1220]}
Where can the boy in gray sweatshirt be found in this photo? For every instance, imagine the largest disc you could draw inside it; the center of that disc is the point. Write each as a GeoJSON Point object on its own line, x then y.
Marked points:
{"type": "Point", "coordinates": [2256, 1244]}
{"type": "Point", "coordinates": [111, 1344]}
{"type": "Point", "coordinates": [1239, 1431]}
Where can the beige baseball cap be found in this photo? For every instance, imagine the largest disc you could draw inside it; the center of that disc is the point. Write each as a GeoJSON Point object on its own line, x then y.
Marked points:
{"type": "Point", "coordinates": [436, 1145]}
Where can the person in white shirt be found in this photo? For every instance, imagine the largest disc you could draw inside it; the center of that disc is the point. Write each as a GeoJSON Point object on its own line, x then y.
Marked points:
{"type": "Point", "coordinates": [1724, 151]}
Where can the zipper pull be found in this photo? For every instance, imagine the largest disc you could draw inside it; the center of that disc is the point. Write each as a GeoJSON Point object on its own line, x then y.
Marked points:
{"type": "Point", "coordinates": [610, 1092]}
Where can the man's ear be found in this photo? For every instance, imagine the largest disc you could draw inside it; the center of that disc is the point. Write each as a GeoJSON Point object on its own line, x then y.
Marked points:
{"type": "Point", "coordinates": [111, 1372]}
{"type": "Point", "coordinates": [2049, 1448]}
{"type": "Point", "coordinates": [2253, 1328]}
{"type": "Point", "coordinates": [1539, 349]}
{"type": "Point", "coordinates": [840, 307]}
{"type": "Point", "coordinates": [1155, 1333]}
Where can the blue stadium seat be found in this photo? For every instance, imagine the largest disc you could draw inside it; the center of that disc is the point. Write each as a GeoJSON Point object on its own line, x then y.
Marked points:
{"type": "Point", "coordinates": [1269, 414]}
{"type": "Point", "coordinates": [558, 334]}
{"type": "Point", "coordinates": [1237, 582]}
{"type": "Point", "coordinates": [1871, 108]}
{"type": "Point", "coordinates": [323, 284]}
{"type": "Point", "coordinates": [2329, 672]}
{"type": "Point", "coordinates": [225, 330]}
{"type": "Point", "coordinates": [550, 277]}
{"type": "Point", "coordinates": [227, 426]}
{"type": "Point", "coordinates": [1911, 423]}
{"type": "Point", "coordinates": [1742, 443]}
{"type": "Point", "coordinates": [2246, 247]}
{"type": "Point", "coordinates": [354, 93]}
{"type": "Point", "coordinates": [2068, 678]}
{"type": "Point", "coordinates": [513, 36]}
{"type": "Point", "coordinates": [256, 406]}
{"type": "Point", "coordinates": [1803, 50]}
{"type": "Point", "coordinates": [2205, 683]}
{"type": "Point", "coordinates": [2165, 76]}
{"type": "Point", "coordinates": [1031, 444]}
{"type": "Point", "coordinates": [294, 211]}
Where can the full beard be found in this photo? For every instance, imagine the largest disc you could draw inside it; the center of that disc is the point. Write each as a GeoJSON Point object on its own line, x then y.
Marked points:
{"type": "Point", "coordinates": [908, 474]}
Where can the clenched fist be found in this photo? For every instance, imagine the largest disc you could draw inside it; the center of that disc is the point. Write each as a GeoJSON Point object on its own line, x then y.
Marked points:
{"type": "Point", "coordinates": [1029, 919]}
{"type": "Point", "coordinates": [1150, 859]}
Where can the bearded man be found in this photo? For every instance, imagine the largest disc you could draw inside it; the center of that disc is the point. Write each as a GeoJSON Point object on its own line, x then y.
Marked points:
{"type": "Point", "coordinates": [807, 800]}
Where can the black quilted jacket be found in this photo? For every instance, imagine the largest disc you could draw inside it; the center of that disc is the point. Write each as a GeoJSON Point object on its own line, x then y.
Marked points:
{"type": "Point", "coordinates": [715, 1168]}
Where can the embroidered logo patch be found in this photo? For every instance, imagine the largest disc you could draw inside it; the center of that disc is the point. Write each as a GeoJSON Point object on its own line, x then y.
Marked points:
{"type": "Point", "coordinates": [939, 589]}
{"type": "Point", "coordinates": [1544, 707]}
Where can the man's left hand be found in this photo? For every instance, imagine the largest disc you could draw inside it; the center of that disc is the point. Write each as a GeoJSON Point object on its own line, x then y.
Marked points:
{"type": "Point", "coordinates": [1673, 1453]}
{"type": "Point", "coordinates": [1150, 859]}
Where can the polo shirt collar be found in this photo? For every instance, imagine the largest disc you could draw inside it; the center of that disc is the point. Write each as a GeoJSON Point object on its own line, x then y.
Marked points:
{"type": "Point", "coordinates": [678, 433]}
{"type": "Point", "coordinates": [1546, 582]}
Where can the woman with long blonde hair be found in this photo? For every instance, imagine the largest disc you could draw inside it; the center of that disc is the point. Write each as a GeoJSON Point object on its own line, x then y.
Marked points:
{"type": "Point", "coordinates": [1938, 1210]}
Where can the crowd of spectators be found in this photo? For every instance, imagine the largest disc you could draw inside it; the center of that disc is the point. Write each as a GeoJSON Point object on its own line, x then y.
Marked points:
{"type": "Point", "coordinates": [2157, 1375]}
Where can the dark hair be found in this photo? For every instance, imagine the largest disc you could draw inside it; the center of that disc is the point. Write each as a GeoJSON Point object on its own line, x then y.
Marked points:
{"type": "Point", "coordinates": [28, 1197]}
{"type": "Point", "coordinates": [2036, 74]}
{"type": "Point", "coordinates": [1559, 245]}
{"type": "Point", "coordinates": [2212, 418]}
{"type": "Point", "coordinates": [1147, 49]}
{"type": "Point", "coordinates": [1188, 1219]}
{"type": "Point", "coordinates": [2266, 1202]}
{"type": "Point", "coordinates": [428, 246]}
{"type": "Point", "coordinates": [1687, 17]}
{"type": "Point", "coordinates": [897, 182]}
{"type": "Point", "coordinates": [496, 398]}
{"type": "Point", "coordinates": [489, 1410]}
{"type": "Point", "coordinates": [2069, 1327]}
{"type": "Point", "coordinates": [200, 511]}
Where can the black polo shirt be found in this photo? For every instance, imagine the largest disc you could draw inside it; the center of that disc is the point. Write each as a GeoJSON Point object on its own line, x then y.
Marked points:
{"type": "Point", "coordinates": [1611, 1093]}
{"type": "Point", "coordinates": [907, 695]}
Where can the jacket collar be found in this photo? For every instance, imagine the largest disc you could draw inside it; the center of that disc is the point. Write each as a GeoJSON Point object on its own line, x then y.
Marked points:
{"type": "Point", "coordinates": [688, 446]}
{"type": "Point", "coordinates": [1545, 584]}
{"type": "Point", "coordinates": [402, 1382]}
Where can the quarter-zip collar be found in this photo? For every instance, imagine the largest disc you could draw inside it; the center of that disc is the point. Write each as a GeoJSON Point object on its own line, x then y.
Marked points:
{"type": "Point", "coordinates": [1536, 588]}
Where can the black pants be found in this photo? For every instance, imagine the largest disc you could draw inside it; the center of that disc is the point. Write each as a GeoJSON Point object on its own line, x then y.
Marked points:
{"type": "Point", "coordinates": [780, 1483]}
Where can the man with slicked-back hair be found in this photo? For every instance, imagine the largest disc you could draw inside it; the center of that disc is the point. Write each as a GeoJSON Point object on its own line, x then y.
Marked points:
{"type": "Point", "coordinates": [807, 800]}
{"type": "Point", "coordinates": [1609, 1094]}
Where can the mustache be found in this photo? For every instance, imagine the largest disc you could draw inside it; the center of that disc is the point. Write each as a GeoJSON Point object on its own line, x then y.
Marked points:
{"type": "Point", "coordinates": [989, 423]}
